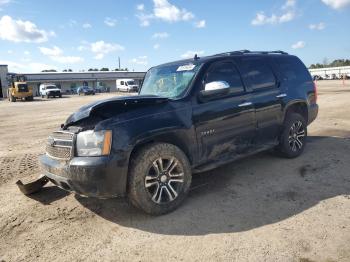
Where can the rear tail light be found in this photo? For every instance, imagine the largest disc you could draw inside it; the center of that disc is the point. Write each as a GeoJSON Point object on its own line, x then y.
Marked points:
{"type": "Point", "coordinates": [315, 91]}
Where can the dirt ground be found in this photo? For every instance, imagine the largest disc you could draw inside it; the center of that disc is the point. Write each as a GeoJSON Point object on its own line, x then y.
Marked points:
{"type": "Point", "coordinates": [263, 208]}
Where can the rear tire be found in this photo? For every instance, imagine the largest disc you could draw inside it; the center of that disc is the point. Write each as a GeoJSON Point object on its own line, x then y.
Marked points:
{"type": "Point", "coordinates": [293, 137]}
{"type": "Point", "coordinates": [159, 178]}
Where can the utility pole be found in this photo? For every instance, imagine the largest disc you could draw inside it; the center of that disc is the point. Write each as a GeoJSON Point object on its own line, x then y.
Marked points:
{"type": "Point", "coordinates": [119, 62]}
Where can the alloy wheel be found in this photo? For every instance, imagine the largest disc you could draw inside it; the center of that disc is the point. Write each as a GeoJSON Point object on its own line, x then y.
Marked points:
{"type": "Point", "coordinates": [164, 180]}
{"type": "Point", "coordinates": [296, 136]}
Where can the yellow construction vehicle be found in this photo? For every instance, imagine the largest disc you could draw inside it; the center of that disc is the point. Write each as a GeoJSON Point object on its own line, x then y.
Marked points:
{"type": "Point", "coordinates": [18, 88]}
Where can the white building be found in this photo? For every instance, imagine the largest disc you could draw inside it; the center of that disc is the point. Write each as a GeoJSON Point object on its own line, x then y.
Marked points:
{"type": "Point", "coordinates": [3, 81]}
{"type": "Point", "coordinates": [338, 71]}
{"type": "Point", "coordinates": [68, 80]}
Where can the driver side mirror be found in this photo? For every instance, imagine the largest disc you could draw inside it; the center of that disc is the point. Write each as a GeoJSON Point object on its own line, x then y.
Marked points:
{"type": "Point", "coordinates": [214, 90]}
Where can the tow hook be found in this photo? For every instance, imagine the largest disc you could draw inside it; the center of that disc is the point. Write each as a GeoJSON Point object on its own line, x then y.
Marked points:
{"type": "Point", "coordinates": [32, 187]}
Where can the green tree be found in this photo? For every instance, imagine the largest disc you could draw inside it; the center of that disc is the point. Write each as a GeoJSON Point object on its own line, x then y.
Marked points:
{"type": "Point", "coordinates": [49, 70]}
{"type": "Point", "coordinates": [335, 63]}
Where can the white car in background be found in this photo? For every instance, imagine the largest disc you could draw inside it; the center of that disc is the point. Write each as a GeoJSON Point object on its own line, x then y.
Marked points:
{"type": "Point", "coordinates": [127, 85]}
{"type": "Point", "coordinates": [47, 90]}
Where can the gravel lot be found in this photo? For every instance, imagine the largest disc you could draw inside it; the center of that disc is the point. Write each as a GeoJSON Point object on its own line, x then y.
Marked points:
{"type": "Point", "coordinates": [263, 208]}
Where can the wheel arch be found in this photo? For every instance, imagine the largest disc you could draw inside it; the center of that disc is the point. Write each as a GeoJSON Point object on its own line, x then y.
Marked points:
{"type": "Point", "coordinates": [169, 138]}
{"type": "Point", "coordinates": [298, 106]}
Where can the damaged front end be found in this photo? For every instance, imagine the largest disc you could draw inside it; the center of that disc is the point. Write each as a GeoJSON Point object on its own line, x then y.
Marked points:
{"type": "Point", "coordinates": [80, 158]}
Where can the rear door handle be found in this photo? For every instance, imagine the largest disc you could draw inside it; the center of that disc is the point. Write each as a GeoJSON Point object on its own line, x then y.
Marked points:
{"type": "Point", "coordinates": [245, 104]}
{"type": "Point", "coordinates": [281, 95]}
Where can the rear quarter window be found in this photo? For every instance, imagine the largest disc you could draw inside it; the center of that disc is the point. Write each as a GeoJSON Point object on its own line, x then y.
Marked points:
{"type": "Point", "coordinates": [292, 69]}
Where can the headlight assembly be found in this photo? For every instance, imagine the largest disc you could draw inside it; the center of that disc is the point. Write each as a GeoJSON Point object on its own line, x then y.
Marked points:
{"type": "Point", "coordinates": [91, 143]}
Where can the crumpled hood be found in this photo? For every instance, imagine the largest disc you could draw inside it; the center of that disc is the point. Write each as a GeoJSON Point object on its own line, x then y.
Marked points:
{"type": "Point", "coordinates": [118, 104]}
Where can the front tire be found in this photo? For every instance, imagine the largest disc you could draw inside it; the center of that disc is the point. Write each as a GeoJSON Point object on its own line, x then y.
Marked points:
{"type": "Point", "coordinates": [293, 137]}
{"type": "Point", "coordinates": [159, 178]}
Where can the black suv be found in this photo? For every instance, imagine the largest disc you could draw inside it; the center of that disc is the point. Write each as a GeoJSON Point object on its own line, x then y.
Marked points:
{"type": "Point", "coordinates": [190, 116]}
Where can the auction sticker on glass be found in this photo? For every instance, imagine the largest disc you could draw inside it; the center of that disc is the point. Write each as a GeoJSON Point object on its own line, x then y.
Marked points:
{"type": "Point", "coordinates": [188, 67]}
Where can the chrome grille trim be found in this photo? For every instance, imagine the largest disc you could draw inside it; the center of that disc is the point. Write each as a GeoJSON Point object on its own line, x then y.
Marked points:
{"type": "Point", "coordinates": [60, 145]}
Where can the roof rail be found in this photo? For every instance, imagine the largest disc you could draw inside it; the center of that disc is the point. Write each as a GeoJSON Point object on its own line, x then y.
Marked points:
{"type": "Point", "coordinates": [242, 52]}
{"type": "Point", "coordinates": [270, 52]}
{"type": "Point", "coordinates": [233, 52]}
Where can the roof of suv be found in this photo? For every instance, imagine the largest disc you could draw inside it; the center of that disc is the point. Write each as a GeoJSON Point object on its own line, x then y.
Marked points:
{"type": "Point", "coordinates": [226, 54]}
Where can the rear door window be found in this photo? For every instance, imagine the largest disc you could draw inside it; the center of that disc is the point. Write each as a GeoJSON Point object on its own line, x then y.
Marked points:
{"type": "Point", "coordinates": [257, 73]}
{"type": "Point", "coordinates": [292, 69]}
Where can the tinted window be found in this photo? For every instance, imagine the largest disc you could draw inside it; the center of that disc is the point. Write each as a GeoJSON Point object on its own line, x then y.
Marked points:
{"type": "Point", "coordinates": [257, 73]}
{"type": "Point", "coordinates": [22, 88]}
{"type": "Point", "coordinates": [122, 82]}
{"type": "Point", "coordinates": [292, 68]}
{"type": "Point", "coordinates": [228, 73]}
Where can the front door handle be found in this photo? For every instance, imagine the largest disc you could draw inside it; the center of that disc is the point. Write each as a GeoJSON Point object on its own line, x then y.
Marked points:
{"type": "Point", "coordinates": [281, 95]}
{"type": "Point", "coordinates": [245, 104]}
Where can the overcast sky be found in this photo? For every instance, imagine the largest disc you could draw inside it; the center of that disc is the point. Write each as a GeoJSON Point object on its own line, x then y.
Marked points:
{"type": "Point", "coordinates": [41, 34]}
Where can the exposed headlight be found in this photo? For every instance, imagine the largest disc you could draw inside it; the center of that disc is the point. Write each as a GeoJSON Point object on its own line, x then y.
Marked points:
{"type": "Point", "coordinates": [90, 143]}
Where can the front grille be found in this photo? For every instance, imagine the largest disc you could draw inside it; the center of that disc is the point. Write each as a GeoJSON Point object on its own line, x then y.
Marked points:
{"type": "Point", "coordinates": [54, 93]}
{"type": "Point", "coordinates": [60, 145]}
{"type": "Point", "coordinates": [59, 152]}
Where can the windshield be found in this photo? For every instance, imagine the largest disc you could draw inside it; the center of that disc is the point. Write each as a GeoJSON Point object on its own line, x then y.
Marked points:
{"type": "Point", "coordinates": [169, 81]}
{"type": "Point", "coordinates": [51, 87]}
{"type": "Point", "coordinates": [22, 88]}
{"type": "Point", "coordinates": [131, 82]}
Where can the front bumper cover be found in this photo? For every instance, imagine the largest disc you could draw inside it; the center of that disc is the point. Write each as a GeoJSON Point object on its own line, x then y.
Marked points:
{"type": "Point", "coordinates": [101, 177]}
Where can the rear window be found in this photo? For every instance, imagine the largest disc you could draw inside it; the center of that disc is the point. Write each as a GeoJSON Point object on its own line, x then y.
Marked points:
{"type": "Point", "coordinates": [292, 68]}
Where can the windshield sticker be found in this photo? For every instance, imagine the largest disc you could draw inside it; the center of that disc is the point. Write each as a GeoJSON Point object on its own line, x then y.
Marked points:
{"type": "Point", "coordinates": [186, 67]}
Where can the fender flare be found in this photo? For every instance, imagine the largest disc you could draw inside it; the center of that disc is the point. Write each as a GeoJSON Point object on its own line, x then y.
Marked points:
{"type": "Point", "coordinates": [168, 135]}
{"type": "Point", "coordinates": [292, 103]}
